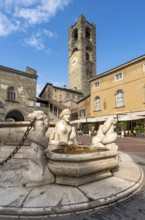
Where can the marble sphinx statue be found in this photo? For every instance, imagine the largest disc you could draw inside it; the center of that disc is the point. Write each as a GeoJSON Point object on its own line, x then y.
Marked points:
{"type": "Point", "coordinates": [106, 135]}
{"type": "Point", "coordinates": [63, 133]}
{"type": "Point", "coordinates": [37, 172]}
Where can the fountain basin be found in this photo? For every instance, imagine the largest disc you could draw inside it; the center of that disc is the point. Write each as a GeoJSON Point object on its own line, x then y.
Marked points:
{"type": "Point", "coordinates": [80, 168]}
{"type": "Point", "coordinates": [11, 133]}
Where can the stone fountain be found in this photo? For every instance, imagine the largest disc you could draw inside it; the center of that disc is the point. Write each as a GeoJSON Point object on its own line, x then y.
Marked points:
{"type": "Point", "coordinates": [60, 176]}
{"type": "Point", "coordinates": [74, 164]}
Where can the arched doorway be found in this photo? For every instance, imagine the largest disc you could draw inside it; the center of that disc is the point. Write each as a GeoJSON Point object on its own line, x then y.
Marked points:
{"type": "Point", "coordinates": [14, 115]}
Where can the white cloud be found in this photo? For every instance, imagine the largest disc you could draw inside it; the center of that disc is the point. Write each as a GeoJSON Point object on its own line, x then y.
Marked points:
{"type": "Point", "coordinates": [9, 3]}
{"type": "Point", "coordinates": [27, 12]}
{"type": "Point", "coordinates": [40, 12]}
{"type": "Point", "coordinates": [38, 40]}
{"type": "Point", "coordinates": [35, 42]}
{"type": "Point", "coordinates": [49, 33]}
{"type": "Point", "coordinates": [6, 26]}
{"type": "Point", "coordinates": [31, 16]}
{"type": "Point", "coordinates": [21, 15]}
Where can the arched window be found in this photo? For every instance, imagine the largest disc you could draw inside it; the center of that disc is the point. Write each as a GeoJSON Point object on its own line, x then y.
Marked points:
{"type": "Point", "coordinates": [88, 33]}
{"type": "Point", "coordinates": [97, 103]}
{"type": "Point", "coordinates": [75, 50]}
{"type": "Point", "coordinates": [119, 98]}
{"type": "Point", "coordinates": [87, 56]}
{"type": "Point", "coordinates": [60, 97]}
{"type": "Point", "coordinates": [1, 107]}
{"type": "Point", "coordinates": [89, 53]}
{"type": "Point", "coordinates": [75, 35]}
{"type": "Point", "coordinates": [11, 94]}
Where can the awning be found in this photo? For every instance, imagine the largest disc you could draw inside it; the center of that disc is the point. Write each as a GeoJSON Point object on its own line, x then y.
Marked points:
{"type": "Point", "coordinates": [130, 117]}
{"type": "Point", "coordinates": [82, 120]}
{"type": "Point", "coordinates": [126, 117]}
{"type": "Point", "coordinates": [100, 118]}
{"type": "Point", "coordinates": [87, 120]}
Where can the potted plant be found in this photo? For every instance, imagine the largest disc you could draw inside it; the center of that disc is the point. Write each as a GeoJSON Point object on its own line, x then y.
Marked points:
{"type": "Point", "coordinates": [139, 129]}
{"type": "Point", "coordinates": [90, 128]}
{"type": "Point", "coordinates": [122, 127]}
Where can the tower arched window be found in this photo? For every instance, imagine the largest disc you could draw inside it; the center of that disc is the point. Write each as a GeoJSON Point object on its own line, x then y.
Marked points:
{"type": "Point", "coordinates": [11, 94]}
{"type": "Point", "coordinates": [75, 35]}
{"type": "Point", "coordinates": [97, 103]}
{"type": "Point", "coordinates": [87, 56]}
{"type": "Point", "coordinates": [88, 31]}
{"type": "Point", "coordinates": [75, 50]}
{"type": "Point", "coordinates": [89, 53]}
{"type": "Point", "coordinates": [119, 96]}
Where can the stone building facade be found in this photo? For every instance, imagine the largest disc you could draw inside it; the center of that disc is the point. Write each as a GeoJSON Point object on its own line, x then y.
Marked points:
{"type": "Point", "coordinates": [120, 90]}
{"type": "Point", "coordinates": [82, 55]}
{"type": "Point", "coordinates": [117, 92]}
{"type": "Point", "coordinates": [60, 94]}
{"type": "Point", "coordinates": [18, 93]}
{"type": "Point", "coordinates": [84, 107]}
{"type": "Point", "coordinates": [54, 99]}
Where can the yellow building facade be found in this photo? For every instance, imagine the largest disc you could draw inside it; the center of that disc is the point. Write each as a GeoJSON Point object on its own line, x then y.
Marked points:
{"type": "Point", "coordinates": [119, 90]}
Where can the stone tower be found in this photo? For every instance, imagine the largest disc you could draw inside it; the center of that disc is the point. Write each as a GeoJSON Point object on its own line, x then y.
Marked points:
{"type": "Point", "coordinates": [82, 55]}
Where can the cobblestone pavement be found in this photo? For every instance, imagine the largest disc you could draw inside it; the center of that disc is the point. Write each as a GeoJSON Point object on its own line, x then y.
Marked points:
{"type": "Point", "coordinates": [133, 208]}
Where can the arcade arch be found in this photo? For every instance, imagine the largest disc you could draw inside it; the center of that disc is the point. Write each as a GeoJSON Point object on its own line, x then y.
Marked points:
{"type": "Point", "coordinates": [14, 115]}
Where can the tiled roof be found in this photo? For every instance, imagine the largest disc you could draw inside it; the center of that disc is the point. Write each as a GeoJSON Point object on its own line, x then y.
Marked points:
{"type": "Point", "coordinates": [61, 88]}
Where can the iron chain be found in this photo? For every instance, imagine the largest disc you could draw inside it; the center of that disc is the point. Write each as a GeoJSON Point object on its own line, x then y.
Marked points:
{"type": "Point", "coordinates": [20, 143]}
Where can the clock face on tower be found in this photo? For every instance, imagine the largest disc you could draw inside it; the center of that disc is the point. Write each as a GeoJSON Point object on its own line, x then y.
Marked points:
{"type": "Point", "coordinates": [74, 61]}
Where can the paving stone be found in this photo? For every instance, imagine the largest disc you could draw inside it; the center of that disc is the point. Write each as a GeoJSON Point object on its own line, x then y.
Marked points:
{"type": "Point", "coordinates": [105, 187]}
{"type": "Point", "coordinates": [13, 196]}
{"type": "Point", "coordinates": [52, 195]}
{"type": "Point", "coordinates": [128, 171]}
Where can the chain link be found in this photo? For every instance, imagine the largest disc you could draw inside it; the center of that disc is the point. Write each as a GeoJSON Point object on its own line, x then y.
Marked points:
{"type": "Point", "coordinates": [20, 143]}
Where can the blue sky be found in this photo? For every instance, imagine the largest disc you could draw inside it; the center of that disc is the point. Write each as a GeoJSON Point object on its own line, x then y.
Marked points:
{"type": "Point", "coordinates": [34, 33]}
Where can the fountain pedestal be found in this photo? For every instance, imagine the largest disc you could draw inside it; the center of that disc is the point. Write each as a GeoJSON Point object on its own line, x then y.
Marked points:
{"type": "Point", "coordinates": [80, 168]}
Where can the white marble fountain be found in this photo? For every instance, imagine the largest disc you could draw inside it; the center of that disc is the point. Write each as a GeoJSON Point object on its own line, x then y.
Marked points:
{"type": "Point", "coordinates": [62, 171]}
{"type": "Point", "coordinates": [68, 162]}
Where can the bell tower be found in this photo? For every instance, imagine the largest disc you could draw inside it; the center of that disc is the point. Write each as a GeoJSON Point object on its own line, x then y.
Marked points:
{"type": "Point", "coordinates": [82, 55]}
